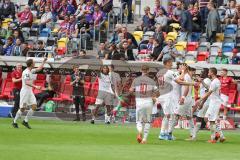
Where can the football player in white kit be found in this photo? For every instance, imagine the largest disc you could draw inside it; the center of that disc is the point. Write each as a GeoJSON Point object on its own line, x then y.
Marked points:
{"type": "Point", "coordinates": [169, 85]}
{"type": "Point", "coordinates": [184, 109]}
{"type": "Point", "coordinates": [105, 94]}
{"type": "Point", "coordinates": [146, 91]}
{"type": "Point", "coordinates": [27, 97]}
{"type": "Point", "coordinates": [202, 109]}
{"type": "Point", "coordinates": [215, 102]}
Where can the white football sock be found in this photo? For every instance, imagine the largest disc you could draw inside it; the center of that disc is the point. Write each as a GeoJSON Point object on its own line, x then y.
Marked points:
{"type": "Point", "coordinates": [164, 125]}
{"type": "Point", "coordinates": [29, 114]}
{"type": "Point", "coordinates": [213, 131]}
{"type": "Point", "coordinates": [105, 117]}
{"type": "Point", "coordinates": [196, 129]}
{"type": "Point", "coordinates": [18, 115]}
{"type": "Point", "coordinates": [171, 123]}
{"type": "Point", "coordinates": [218, 129]}
{"type": "Point", "coordinates": [139, 127]}
{"type": "Point", "coordinates": [146, 131]}
{"type": "Point", "coordinates": [191, 126]}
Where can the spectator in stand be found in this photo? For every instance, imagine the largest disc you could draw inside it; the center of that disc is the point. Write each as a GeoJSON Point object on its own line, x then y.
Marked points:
{"type": "Point", "coordinates": [186, 26]}
{"type": "Point", "coordinates": [196, 19]}
{"type": "Point", "coordinates": [235, 58]}
{"type": "Point", "coordinates": [40, 49]}
{"type": "Point", "coordinates": [236, 18]}
{"type": "Point", "coordinates": [8, 47]}
{"type": "Point", "coordinates": [55, 4]}
{"type": "Point", "coordinates": [126, 52]}
{"type": "Point", "coordinates": [128, 36]}
{"type": "Point", "coordinates": [39, 5]}
{"type": "Point", "coordinates": [230, 12]}
{"type": "Point", "coordinates": [17, 85]}
{"type": "Point", "coordinates": [121, 40]}
{"type": "Point", "coordinates": [147, 20]}
{"type": "Point", "coordinates": [25, 17]}
{"type": "Point", "coordinates": [98, 16]}
{"type": "Point", "coordinates": [103, 52]}
{"type": "Point", "coordinates": [88, 12]}
{"type": "Point", "coordinates": [80, 10]}
{"type": "Point", "coordinates": [161, 19]}
{"type": "Point", "coordinates": [177, 12]}
{"type": "Point", "coordinates": [221, 58]}
{"type": "Point", "coordinates": [83, 55]}
{"type": "Point", "coordinates": [115, 36]}
{"type": "Point", "coordinates": [113, 53]}
{"type": "Point", "coordinates": [71, 26]}
{"type": "Point", "coordinates": [106, 5]}
{"type": "Point", "coordinates": [46, 19]}
{"type": "Point", "coordinates": [65, 9]}
{"type": "Point", "coordinates": [17, 34]}
{"type": "Point", "coordinates": [7, 10]}
{"type": "Point", "coordinates": [17, 50]}
{"type": "Point", "coordinates": [3, 32]}
{"type": "Point", "coordinates": [225, 83]}
{"type": "Point", "coordinates": [84, 27]}
{"type": "Point", "coordinates": [158, 7]}
{"type": "Point", "coordinates": [159, 35]}
{"type": "Point", "coordinates": [150, 43]}
{"type": "Point", "coordinates": [128, 3]}
{"type": "Point", "coordinates": [169, 50]}
{"type": "Point", "coordinates": [73, 3]}
{"type": "Point", "coordinates": [25, 49]}
{"type": "Point", "coordinates": [203, 13]}
{"type": "Point", "coordinates": [62, 31]}
{"type": "Point", "coordinates": [213, 23]}
{"type": "Point", "coordinates": [157, 48]}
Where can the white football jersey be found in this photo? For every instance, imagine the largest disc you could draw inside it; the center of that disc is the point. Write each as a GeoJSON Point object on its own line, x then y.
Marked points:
{"type": "Point", "coordinates": [27, 76]}
{"type": "Point", "coordinates": [187, 78]}
{"type": "Point", "coordinates": [215, 87]}
{"type": "Point", "coordinates": [105, 83]}
{"type": "Point", "coordinates": [202, 89]}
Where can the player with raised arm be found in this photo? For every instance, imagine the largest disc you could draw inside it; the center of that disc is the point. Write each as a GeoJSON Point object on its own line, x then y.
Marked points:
{"type": "Point", "coordinates": [27, 97]}
{"type": "Point", "coordinates": [105, 94]}
{"type": "Point", "coordinates": [146, 91]}
{"type": "Point", "coordinates": [215, 102]}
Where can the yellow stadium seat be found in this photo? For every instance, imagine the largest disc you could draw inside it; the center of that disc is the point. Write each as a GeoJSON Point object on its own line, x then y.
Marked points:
{"type": "Point", "coordinates": [171, 35]}
{"type": "Point", "coordinates": [138, 35]}
{"type": "Point", "coordinates": [181, 46]}
{"type": "Point", "coordinates": [55, 30]}
{"type": "Point", "coordinates": [36, 21]}
{"type": "Point", "coordinates": [220, 37]}
{"type": "Point", "coordinates": [175, 26]}
{"type": "Point", "coordinates": [5, 22]}
{"type": "Point", "coordinates": [62, 42]}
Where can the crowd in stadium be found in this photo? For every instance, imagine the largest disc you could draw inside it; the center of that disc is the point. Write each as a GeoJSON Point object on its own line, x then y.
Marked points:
{"type": "Point", "coordinates": [188, 30]}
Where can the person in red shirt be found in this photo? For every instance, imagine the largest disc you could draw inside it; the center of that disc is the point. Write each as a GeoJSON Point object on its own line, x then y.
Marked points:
{"type": "Point", "coordinates": [17, 85]}
{"type": "Point", "coordinates": [25, 17]}
{"type": "Point", "coordinates": [225, 83]}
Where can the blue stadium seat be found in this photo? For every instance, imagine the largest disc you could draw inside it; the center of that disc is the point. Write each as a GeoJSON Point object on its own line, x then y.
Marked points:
{"type": "Point", "coordinates": [228, 47]}
{"type": "Point", "coordinates": [45, 32]}
{"type": "Point", "coordinates": [230, 29]}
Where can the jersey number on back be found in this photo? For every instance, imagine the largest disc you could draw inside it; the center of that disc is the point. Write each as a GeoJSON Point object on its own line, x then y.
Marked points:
{"type": "Point", "coordinates": [143, 88]}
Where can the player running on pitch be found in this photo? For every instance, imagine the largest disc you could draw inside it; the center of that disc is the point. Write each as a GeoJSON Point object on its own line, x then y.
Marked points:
{"type": "Point", "coordinates": [27, 97]}
{"type": "Point", "coordinates": [146, 91]}
{"type": "Point", "coordinates": [215, 102]}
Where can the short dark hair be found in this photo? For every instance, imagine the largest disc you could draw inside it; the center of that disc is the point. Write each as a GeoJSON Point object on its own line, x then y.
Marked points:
{"type": "Point", "coordinates": [40, 42]}
{"type": "Point", "coordinates": [225, 69]}
{"type": "Point", "coordinates": [192, 69]}
{"type": "Point", "coordinates": [83, 51]}
{"type": "Point", "coordinates": [29, 62]}
{"type": "Point", "coordinates": [178, 65]}
{"type": "Point", "coordinates": [213, 70]}
{"type": "Point", "coordinates": [204, 73]}
{"type": "Point", "coordinates": [10, 38]}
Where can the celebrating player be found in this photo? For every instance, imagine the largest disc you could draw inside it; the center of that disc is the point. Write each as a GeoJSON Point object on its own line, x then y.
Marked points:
{"type": "Point", "coordinates": [105, 94]}
{"type": "Point", "coordinates": [169, 82]}
{"type": "Point", "coordinates": [215, 102]}
{"type": "Point", "coordinates": [146, 92]}
{"type": "Point", "coordinates": [27, 97]}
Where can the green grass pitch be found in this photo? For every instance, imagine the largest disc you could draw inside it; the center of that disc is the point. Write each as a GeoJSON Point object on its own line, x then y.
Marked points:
{"type": "Point", "coordinates": [59, 140]}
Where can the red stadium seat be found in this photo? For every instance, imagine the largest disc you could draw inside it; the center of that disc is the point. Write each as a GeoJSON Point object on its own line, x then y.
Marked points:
{"type": "Point", "coordinates": [41, 77]}
{"type": "Point", "coordinates": [7, 88]}
{"type": "Point", "coordinates": [202, 56]}
{"type": "Point", "coordinates": [61, 50]}
{"type": "Point", "coordinates": [192, 46]}
{"type": "Point", "coordinates": [67, 93]}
